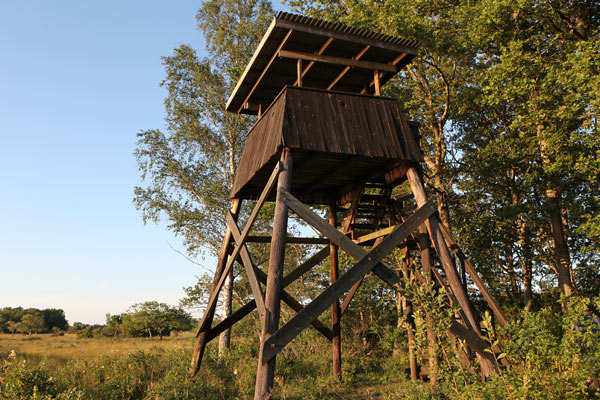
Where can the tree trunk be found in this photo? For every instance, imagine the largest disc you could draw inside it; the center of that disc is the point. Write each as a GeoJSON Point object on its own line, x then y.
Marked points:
{"type": "Point", "coordinates": [227, 295]}
{"type": "Point", "coordinates": [562, 258]}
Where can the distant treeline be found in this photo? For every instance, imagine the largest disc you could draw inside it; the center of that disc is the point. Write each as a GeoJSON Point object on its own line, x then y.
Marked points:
{"type": "Point", "coordinates": [32, 320]}
{"type": "Point", "coordinates": [140, 320]}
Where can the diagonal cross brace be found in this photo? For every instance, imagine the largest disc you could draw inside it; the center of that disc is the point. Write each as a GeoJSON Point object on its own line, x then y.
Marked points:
{"type": "Point", "coordinates": [367, 262]}
{"type": "Point", "coordinates": [212, 300]}
{"type": "Point", "coordinates": [255, 275]}
{"type": "Point", "coordinates": [257, 292]}
{"type": "Point", "coordinates": [470, 337]}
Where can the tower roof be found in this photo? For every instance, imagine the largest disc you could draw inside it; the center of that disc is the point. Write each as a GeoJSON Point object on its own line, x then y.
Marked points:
{"type": "Point", "coordinates": [333, 57]}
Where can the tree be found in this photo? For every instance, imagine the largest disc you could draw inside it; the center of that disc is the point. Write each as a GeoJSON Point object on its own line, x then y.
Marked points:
{"type": "Point", "coordinates": [31, 323]}
{"type": "Point", "coordinates": [154, 318]}
{"type": "Point", "coordinates": [12, 326]}
{"type": "Point", "coordinates": [189, 169]}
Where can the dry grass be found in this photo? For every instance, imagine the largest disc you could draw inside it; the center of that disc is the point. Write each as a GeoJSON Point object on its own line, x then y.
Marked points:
{"type": "Point", "coordinates": [60, 349]}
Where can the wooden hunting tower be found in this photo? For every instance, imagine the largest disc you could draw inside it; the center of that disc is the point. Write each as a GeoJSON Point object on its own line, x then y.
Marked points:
{"type": "Point", "coordinates": [326, 137]}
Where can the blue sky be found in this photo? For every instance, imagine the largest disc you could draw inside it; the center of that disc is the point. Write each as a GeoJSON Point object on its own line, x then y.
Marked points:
{"type": "Point", "coordinates": [78, 80]}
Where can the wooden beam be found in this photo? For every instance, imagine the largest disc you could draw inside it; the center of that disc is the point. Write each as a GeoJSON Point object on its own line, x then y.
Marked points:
{"type": "Point", "coordinates": [212, 300]}
{"type": "Point", "coordinates": [476, 279]}
{"type": "Point", "coordinates": [265, 373]}
{"type": "Point", "coordinates": [306, 266]}
{"type": "Point", "coordinates": [249, 267]}
{"type": "Point", "coordinates": [347, 68]}
{"type": "Point", "coordinates": [299, 72]}
{"type": "Point", "coordinates": [395, 62]}
{"type": "Point", "coordinates": [335, 307]}
{"type": "Point", "coordinates": [367, 262]}
{"type": "Point", "coordinates": [337, 60]}
{"type": "Point", "coordinates": [377, 84]}
{"type": "Point", "coordinates": [289, 239]}
{"type": "Point", "coordinates": [447, 261]}
{"type": "Point", "coordinates": [204, 325]}
{"type": "Point", "coordinates": [296, 306]}
{"type": "Point", "coordinates": [250, 306]}
{"type": "Point", "coordinates": [375, 235]}
{"type": "Point", "coordinates": [310, 64]}
{"type": "Point", "coordinates": [264, 71]}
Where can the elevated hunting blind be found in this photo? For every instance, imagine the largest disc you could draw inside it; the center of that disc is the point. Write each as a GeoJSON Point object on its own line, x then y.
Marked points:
{"type": "Point", "coordinates": [325, 136]}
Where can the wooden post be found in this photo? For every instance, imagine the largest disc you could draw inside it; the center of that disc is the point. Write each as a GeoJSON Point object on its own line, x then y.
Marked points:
{"type": "Point", "coordinates": [431, 338]}
{"type": "Point", "coordinates": [299, 68]}
{"type": "Point", "coordinates": [205, 324]}
{"type": "Point", "coordinates": [335, 307]}
{"type": "Point", "coordinates": [266, 371]}
{"type": "Point", "coordinates": [443, 253]}
{"type": "Point", "coordinates": [376, 81]}
{"type": "Point", "coordinates": [409, 322]}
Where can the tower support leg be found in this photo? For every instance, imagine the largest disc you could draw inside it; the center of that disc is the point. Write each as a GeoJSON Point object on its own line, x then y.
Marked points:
{"type": "Point", "coordinates": [416, 186]}
{"type": "Point", "coordinates": [335, 307]}
{"type": "Point", "coordinates": [266, 371]}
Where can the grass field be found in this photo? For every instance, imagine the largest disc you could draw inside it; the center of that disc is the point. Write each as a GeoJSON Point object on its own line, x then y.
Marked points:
{"type": "Point", "coordinates": [70, 346]}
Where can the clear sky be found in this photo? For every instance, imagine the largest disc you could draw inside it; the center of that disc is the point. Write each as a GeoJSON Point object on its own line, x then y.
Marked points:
{"type": "Point", "coordinates": [78, 80]}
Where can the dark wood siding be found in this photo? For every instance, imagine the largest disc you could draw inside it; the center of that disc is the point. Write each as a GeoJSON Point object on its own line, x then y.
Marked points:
{"type": "Point", "coordinates": [335, 125]}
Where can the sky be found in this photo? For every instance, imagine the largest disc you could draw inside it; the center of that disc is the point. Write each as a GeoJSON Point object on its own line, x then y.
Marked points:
{"type": "Point", "coordinates": [78, 80]}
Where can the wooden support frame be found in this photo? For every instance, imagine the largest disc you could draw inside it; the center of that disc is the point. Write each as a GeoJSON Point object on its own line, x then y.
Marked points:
{"type": "Point", "coordinates": [225, 264]}
{"type": "Point", "coordinates": [336, 345]}
{"type": "Point", "coordinates": [285, 334]}
{"type": "Point", "coordinates": [310, 64]}
{"type": "Point", "coordinates": [367, 262]}
{"type": "Point", "coordinates": [289, 239]}
{"type": "Point", "coordinates": [350, 62]}
{"type": "Point", "coordinates": [473, 274]}
{"type": "Point", "coordinates": [204, 327]}
{"type": "Point", "coordinates": [251, 305]}
{"type": "Point", "coordinates": [265, 373]}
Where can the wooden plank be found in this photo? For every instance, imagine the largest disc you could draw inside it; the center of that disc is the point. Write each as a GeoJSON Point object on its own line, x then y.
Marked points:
{"type": "Point", "coordinates": [476, 279]}
{"type": "Point", "coordinates": [375, 235]}
{"type": "Point", "coordinates": [249, 267]}
{"type": "Point", "coordinates": [212, 300]}
{"type": "Point", "coordinates": [262, 74]}
{"type": "Point", "coordinates": [371, 65]}
{"type": "Point", "coordinates": [367, 262]}
{"type": "Point", "coordinates": [289, 239]}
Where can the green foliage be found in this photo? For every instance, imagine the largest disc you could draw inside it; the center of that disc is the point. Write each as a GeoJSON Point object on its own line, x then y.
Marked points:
{"type": "Point", "coordinates": [29, 320]}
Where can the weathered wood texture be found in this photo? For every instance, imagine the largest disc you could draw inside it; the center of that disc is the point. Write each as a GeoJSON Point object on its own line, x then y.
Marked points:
{"type": "Point", "coordinates": [367, 262]}
{"type": "Point", "coordinates": [325, 125]}
{"type": "Point", "coordinates": [335, 307]}
{"type": "Point", "coordinates": [266, 370]}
